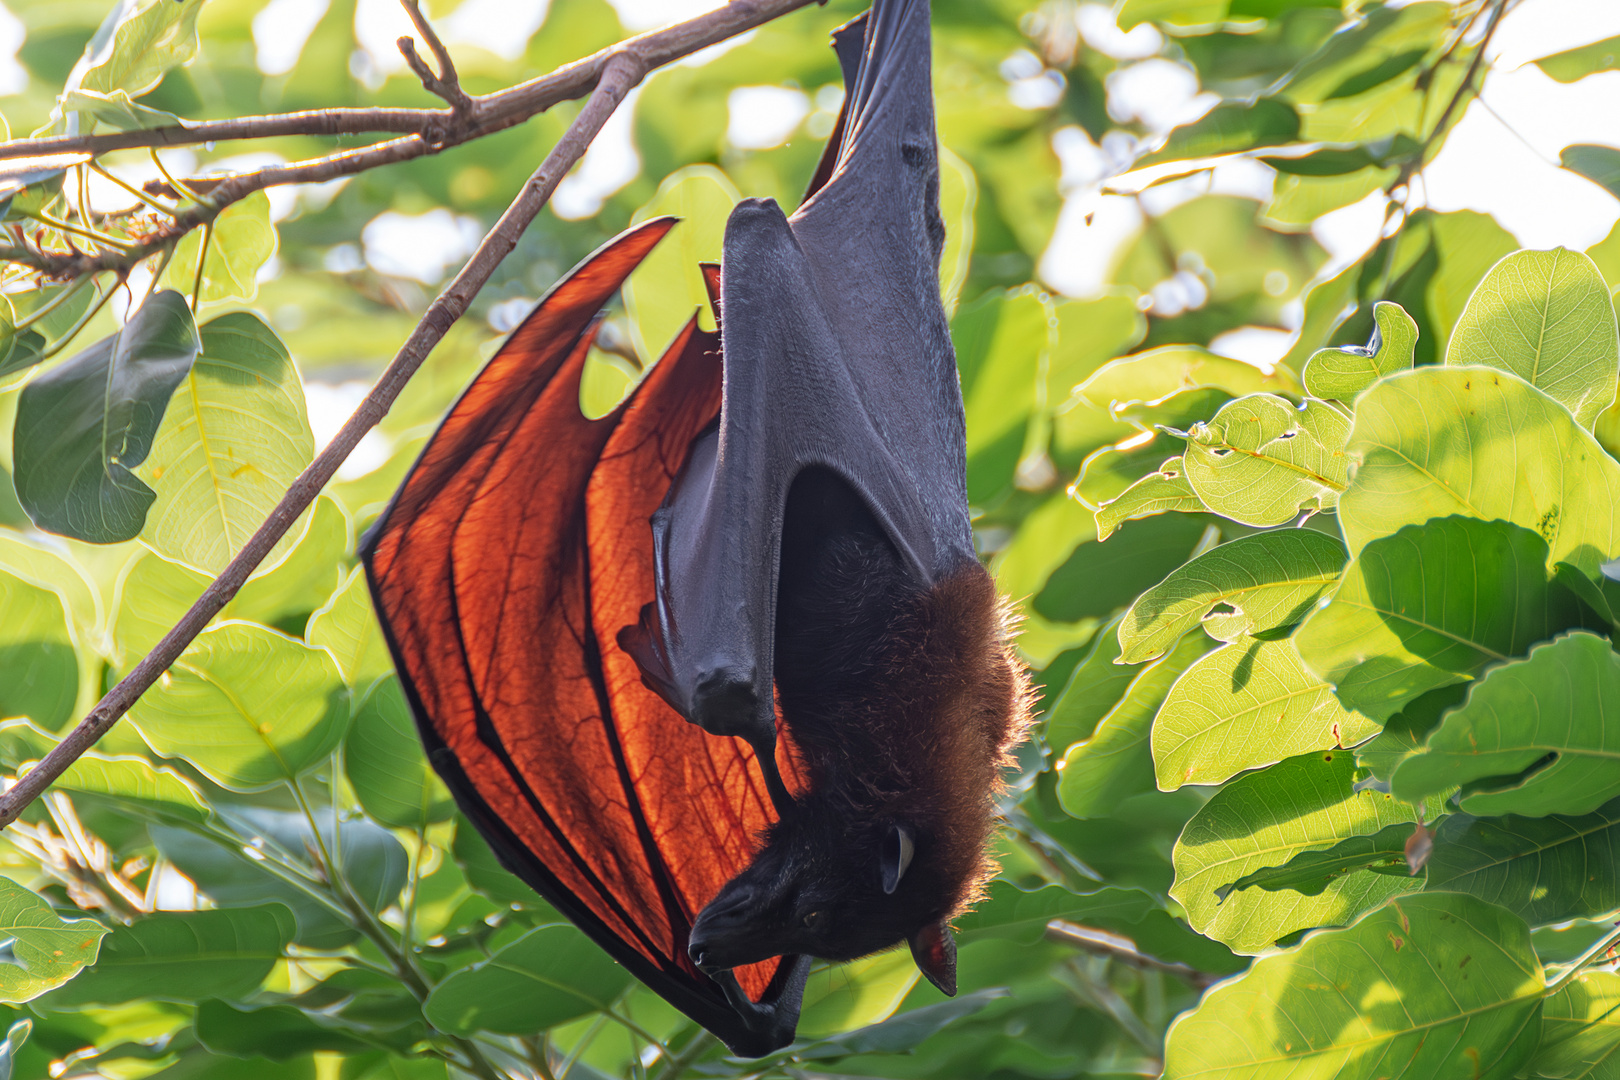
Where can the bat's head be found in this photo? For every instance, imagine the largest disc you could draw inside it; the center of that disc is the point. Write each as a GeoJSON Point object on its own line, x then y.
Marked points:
{"type": "Point", "coordinates": [834, 887]}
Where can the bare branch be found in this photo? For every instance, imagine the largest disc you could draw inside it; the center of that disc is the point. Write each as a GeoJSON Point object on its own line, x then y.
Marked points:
{"type": "Point", "coordinates": [613, 75]}
{"type": "Point", "coordinates": [445, 84]}
{"type": "Point", "coordinates": [1119, 947]}
{"type": "Point", "coordinates": [488, 114]}
{"type": "Point", "coordinates": [495, 112]}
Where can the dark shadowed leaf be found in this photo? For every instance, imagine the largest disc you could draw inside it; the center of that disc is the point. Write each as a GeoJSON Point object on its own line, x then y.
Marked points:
{"type": "Point", "coordinates": [1580, 1030]}
{"type": "Point", "coordinates": [1544, 869]}
{"type": "Point", "coordinates": [1101, 577]}
{"type": "Point", "coordinates": [84, 425]}
{"type": "Point", "coordinates": [548, 976]}
{"type": "Point", "coordinates": [277, 1032]}
{"type": "Point", "coordinates": [1599, 164]}
{"type": "Point", "coordinates": [1308, 873]}
{"type": "Point", "coordinates": [183, 956]}
{"type": "Point", "coordinates": [1533, 736]}
{"type": "Point", "coordinates": [384, 761]}
{"type": "Point", "coordinates": [1093, 689]}
{"type": "Point", "coordinates": [1460, 997]}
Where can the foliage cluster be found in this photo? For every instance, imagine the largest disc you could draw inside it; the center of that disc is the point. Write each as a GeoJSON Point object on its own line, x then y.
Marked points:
{"type": "Point", "coordinates": [1321, 647]}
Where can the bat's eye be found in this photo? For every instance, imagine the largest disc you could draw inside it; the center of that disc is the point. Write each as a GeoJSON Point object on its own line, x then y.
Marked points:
{"type": "Point", "coordinates": [814, 919]}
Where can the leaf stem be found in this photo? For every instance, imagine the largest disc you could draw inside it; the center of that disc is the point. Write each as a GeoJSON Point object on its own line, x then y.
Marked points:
{"type": "Point", "coordinates": [132, 189]}
{"type": "Point", "coordinates": [202, 259]}
{"type": "Point", "coordinates": [1603, 945]}
{"type": "Point", "coordinates": [53, 303]}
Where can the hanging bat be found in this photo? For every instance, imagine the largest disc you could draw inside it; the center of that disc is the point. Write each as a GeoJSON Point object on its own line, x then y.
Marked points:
{"type": "Point", "coordinates": [719, 674]}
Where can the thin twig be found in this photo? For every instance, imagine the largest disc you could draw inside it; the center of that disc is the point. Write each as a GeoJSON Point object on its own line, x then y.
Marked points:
{"type": "Point", "coordinates": [620, 74]}
{"type": "Point", "coordinates": [1599, 948]}
{"type": "Point", "coordinates": [441, 130]}
{"type": "Point", "coordinates": [445, 84]}
{"type": "Point", "coordinates": [1118, 947]}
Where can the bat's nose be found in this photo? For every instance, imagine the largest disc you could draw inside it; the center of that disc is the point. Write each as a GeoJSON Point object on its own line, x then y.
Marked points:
{"type": "Point", "coordinates": [718, 925]}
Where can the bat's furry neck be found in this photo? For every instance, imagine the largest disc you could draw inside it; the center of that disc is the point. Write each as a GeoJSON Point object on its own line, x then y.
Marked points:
{"type": "Point", "coordinates": [903, 699]}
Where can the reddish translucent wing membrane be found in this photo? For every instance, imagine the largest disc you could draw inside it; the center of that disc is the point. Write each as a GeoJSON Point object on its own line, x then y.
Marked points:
{"type": "Point", "coordinates": [514, 553]}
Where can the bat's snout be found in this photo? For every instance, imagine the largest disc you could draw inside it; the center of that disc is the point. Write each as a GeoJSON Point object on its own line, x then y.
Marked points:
{"type": "Point", "coordinates": [721, 934]}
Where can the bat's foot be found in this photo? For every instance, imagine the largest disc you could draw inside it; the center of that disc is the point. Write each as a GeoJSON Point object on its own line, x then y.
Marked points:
{"type": "Point", "coordinates": [776, 1023]}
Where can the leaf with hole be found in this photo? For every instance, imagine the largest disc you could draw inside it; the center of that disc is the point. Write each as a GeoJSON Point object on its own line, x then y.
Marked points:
{"type": "Point", "coordinates": [1156, 493]}
{"type": "Point", "coordinates": [1261, 461]}
{"type": "Point", "coordinates": [1262, 582]}
{"type": "Point", "coordinates": [1431, 605]}
{"type": "Point", "coordinates": [1532, 738]}
{"type": "Point", "coordinates": [247, 706]}
{"type": "Point", "coordinates": [1427, 986]}
{"type": "Point", "coordinates": [86, 424]}
{"type": "Point", "coordinates": [1347, 370]}
{"type": "Point", "coordinates": [1307, 803]}
{"type": "Point", "coordinates": [1546, 317]}
{"type": "Point", "coordinates": [1246, 705]}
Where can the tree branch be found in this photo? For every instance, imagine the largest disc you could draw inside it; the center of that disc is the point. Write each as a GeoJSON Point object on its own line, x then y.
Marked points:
{"type": "Point", "coordinates": [614, 74]}
{"type": "Point", "coordinates": [445, 84]}
{"type": "Point", "coordinates": [443, 128]}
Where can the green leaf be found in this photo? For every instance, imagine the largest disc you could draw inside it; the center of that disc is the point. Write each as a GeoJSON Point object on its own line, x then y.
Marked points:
{"type": "Point", "coordinates": [1246, 705]}
{"type": "Point", "coordinates": [1346, 371]}
{"type": "Point", "coordinates": [39, 669]}
{"type": "Point", "coordinates": [16, 1035]}
{"type": "Point", "coordinates": [547, 977]}
{"type": "Point", "coordinates": [183, 956]}
{"type": "Point", "coordinates": [1022, 914]}
{"type": "Point", "coordinates": [667, 288]}
{"type": "Point", "coordinates": [1543, 869]}
{"type": "Point", "coordinates": [1158, 492]}
{"type": "Point", "coordinates": [1297, 201]}
{"type": "Point", "coordinates": [1230, 127]}
{"type": "Point", "coordinates": [83, 426]}
{"type": "Point", "coordinates": [1309, 872]}
{"type": "Point", "coordinates": [1263, 582]}
{"type": "Point", "coordinates": [847, 996]}
{"type": "Point", "coordinates": [1439, 441]}
{"type": "Point", "coordinates": [1264, 819]}
{"type": "Point", "coordinates": [384, 761]}
{"type": "Point", "coordinates": [1532, 736]}
{"type": "Point", "coordinates": [1099, 578]}
{"type": "Point", "coordinates": [241, 241]}
{"type": "Point", "coordinates": [277, 1032]}
{"type": "Point", "coordinates": [1002, 340]}
{"type": "Point", "coordinates": [1094, 688]}
{"type": "Point", "coordinates": [1115, 762]}
{"type": "Point", "coordinates": [1580, 1030]}
{"type": "Point", "coordinates": [898, 1034]}
{"type": "Point", "coordinates": [116, 110]}
{"type": "Point", "coordinates": [347, 628]}
{"type": "Point", "coordinates": [1546, 317]}
{"type": "Point", "coordinates": [136, 785]}
{"type": "Point", "coordinates": [1261, 460]}
{"type": "Point", "coordinates": [1158, 373]}
{"type": "Point", "coordinates": [1602, 595]}
{"type": "Point", "coordinates": [1373, 50]}
{"type": "Point", "coordinates": [958, 196]}
{"type": "Point", "coordinates": [1404, 732]}
{"type": "Point", "coordinates": [247, 706]}
{"type": "Point", "coordinates": [35, 562]}
{"type": "Point", "coordinates": [1432, 605]}
{"type": "Point", "coordinates": [1468, 244]}
{"type": "Point", "coordinates": [1424, 987]}
{"type": "Point", "coordinates": [46, 950]}
{"type": "Point", "coordinates": [137, 44]}
{"type": "Point", "coordinates": [1573, 65]}
{"type": "Point", "coordinates": [234, 438]}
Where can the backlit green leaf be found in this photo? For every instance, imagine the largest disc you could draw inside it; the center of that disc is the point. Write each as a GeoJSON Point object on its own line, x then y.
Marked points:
{"type": "Point", "coordinates": [1158, 373]}
{"type": "Point", "coordinates": [1248, 704]}
{"type": "Point", "coordinates": [137, 44]}
{"type": "Point", "coordinates": [1297, 201]}
{"type": "Point", "coordinates": [1580, 1030]}
{"type": "Point", "coordinates": [1229, 127]}
{"type": "Point", "coordinates": [1262, 582]}
{"type": "Point", "coordinates": [1099, 577]}
{"type": "Point", "coordinates": [384, 760]}
{"type": "Point", "coordinates": [1260, 461]}
{"type": "Point", "coordinates": [1309, 872]}
{"type": "Point", "coordinates": [39, 671]}
{"type": "Point", "coordinates": [234, 438]}
{"type": "Point", "coordinates": [1427, 986]}
{"type": "Point", "coordinates": [1532, 738]}
{"type": "Point", "coordinates": [241, 241]}
{"type": "Point", "coordinates": [1439, 441]}
{"type": "Point", "coordinates": [667, 288]}
{"type": "Point", "coordinates": [1575, 64]}
{"type": "Point", "coordinates": [1346, 371]}
{"type": "Point", "coordinates": [86, 424]}
{"type": "Point", "coordinates": [1156, 493]}
{"type": "Point", "coordinates": [136, 785]}
{"type": "Point", "coordinates": [347, 628]}
{"type": "Point", "coordinates": [1432, 605]}
{"type": "Point", "coordinates": [1546, 317]}
{"type": "Point", "coordinates": [1264, 819]}
{"type": "Point", "coordinates": [247, 706]}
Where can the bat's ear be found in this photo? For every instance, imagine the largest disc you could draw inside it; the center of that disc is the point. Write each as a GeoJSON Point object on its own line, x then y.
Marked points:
{"type": "Point", "coordinates": [897, 851]}
{"type": "Point", "coordinates": [934, 949]}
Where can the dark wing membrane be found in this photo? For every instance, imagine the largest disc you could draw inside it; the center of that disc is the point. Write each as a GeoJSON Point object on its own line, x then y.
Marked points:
{"type": "Point", "coordinates": [502, 572]}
